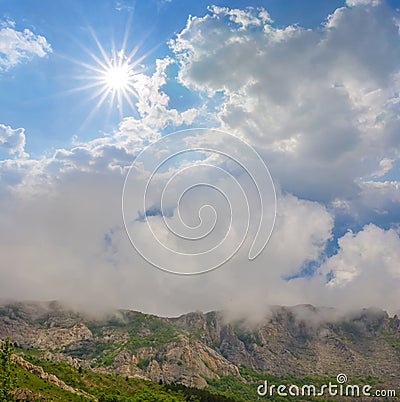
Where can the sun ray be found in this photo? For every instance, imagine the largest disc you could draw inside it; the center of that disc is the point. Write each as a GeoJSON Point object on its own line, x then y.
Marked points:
{"type": "Point", "coordinates": [96, 108]}
{"type": "Point", "coordinates": [129, 100]}
{"type": "Point", "coordinates": [126, 33]}
{"type": "Point", "coordinates": [133, 92]}
{"type": "Point", "coordinates": [99, 62]}
{"type": "Point", "coordinates": [100, 47]}
{"type": "Point", "coordinates": [112, 100]}
{"type": "Point", "coordinates": [94, 84]}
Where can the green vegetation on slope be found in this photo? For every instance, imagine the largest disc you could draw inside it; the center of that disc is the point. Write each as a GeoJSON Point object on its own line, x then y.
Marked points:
{"type": "Point", "coordinates": [107, 388]}
{"type": "Point", "coordinates": [247, 391]}
{"type": "Point", "coordinates": [142, 330]}
{"type": "Point", "coordinates": [7, 371]}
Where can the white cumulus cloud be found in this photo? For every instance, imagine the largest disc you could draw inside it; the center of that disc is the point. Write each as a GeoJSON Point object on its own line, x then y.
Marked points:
{"type": "Point", "coordinates": [19, 46]}
{"type": "Point", "coordinates": [12, 140]}
{"type": "Point", "coordinates": [365, 270]}
{"type": "Point", "coordinates": [319, 104]}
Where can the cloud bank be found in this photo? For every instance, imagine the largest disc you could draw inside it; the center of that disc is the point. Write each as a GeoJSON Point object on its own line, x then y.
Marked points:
{"type": "Point", "coordinates": [320, 106]}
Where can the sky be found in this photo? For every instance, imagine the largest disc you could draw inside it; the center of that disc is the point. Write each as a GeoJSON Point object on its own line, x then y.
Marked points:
{"type": "Point", "coordinates": [256, 143]}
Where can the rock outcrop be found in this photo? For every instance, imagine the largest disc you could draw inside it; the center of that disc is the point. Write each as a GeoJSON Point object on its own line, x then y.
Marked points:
{"type": "Point", "coordinates": [196, 347]}
{"type": "Point", "coordinates": [50, 378]}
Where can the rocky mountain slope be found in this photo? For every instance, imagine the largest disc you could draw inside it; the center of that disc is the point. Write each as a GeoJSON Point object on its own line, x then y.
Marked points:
{"type": "Point", "coordinates": [197, 349]}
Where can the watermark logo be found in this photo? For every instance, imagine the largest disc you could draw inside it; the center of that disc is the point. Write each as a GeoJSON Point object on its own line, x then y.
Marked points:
{"type": "Point", "coordinates": [194, 198]}
{"type": "Point", "coordinates": [341, 378]}
{"type": "Point", "coordinates": [331, 389]}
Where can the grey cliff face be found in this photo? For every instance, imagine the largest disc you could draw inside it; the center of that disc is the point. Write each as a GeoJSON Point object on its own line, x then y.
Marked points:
{"type": "Point", "coordinates": [296, 341]}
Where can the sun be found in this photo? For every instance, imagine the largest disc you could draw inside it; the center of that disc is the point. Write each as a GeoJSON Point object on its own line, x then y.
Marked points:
{"type": "Point", "coordinates": [114, 78]}
{"type": "Point", "coordinates": [117, 77]}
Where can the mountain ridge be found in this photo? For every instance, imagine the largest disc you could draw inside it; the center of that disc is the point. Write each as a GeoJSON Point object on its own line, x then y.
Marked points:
{"type": "Point", "coordinates": [197, 348]}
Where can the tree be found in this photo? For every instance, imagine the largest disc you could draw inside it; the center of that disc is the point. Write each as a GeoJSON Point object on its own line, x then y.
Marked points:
{"type": "Point", "coordinates": [8, 379]}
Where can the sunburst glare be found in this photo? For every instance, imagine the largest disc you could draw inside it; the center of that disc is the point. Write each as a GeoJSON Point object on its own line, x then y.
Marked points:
{"type": "Point", "coordinates": [114, 77]}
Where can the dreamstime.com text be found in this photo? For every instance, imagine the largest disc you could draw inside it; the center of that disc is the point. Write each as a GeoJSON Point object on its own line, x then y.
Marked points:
{"type": "Point", "coordinates": [340, 388]}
